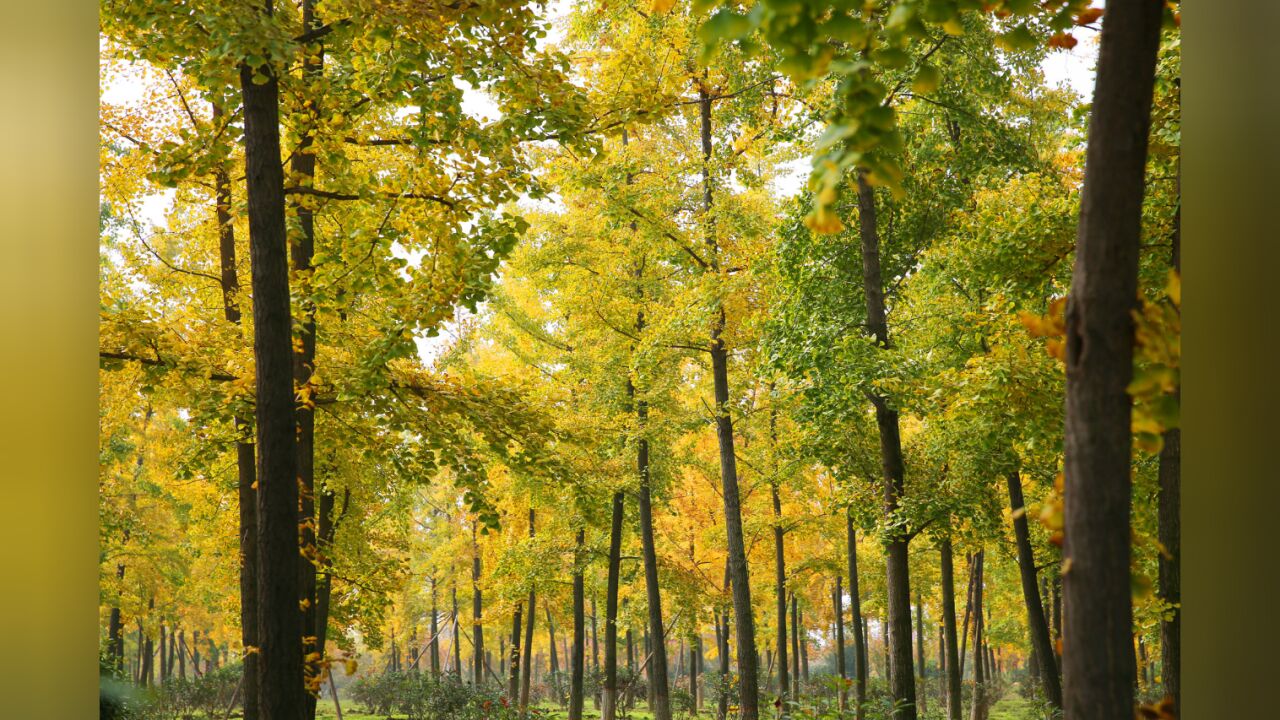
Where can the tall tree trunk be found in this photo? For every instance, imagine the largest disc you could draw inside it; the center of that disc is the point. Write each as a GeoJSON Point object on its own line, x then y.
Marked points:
{"type": "Point", "coordinates": [609, 705]}
{"type": "Point", "coordinates": [660, 703]}
{"type": "Point", "coordinates": [301, 250]}
{"type": "Point", "coordinates": [528, 637]}
{"type": "Point", "coordinates": [279, 638]}
{"type": "Point", "coordinates": [457, 640]}
{"type": "Point", "coordinates": [795, 644]}
{"type": "Point", "coordinates": [780, 581]}
{"type": "Point", "coordinates": [1036, 623]}
{"type": "Point", "coordinates": [554, 667]}
{"type": "Point", "coordinates": [1170, 531]}
{"type": "Point", "coordinates": [1098, 666]}
{"type": "Point", "coordinates": [435, 630]}
{"type": "Point", "coordinates": [748, 683]}
{"type": "Point", "coordinates": [246, 472]}
{"type": "Point", "coordinates": [513, 679]}
{"type": "Point", "coordinates": [804, 651]}
{"type": "Point", "coordinates": [577, 661]}
{"type": "Point", "coordinates": [897, 570]}
{"type": "Point", "coordinates": [477, 630]}
{"type": "Point", "coordinates": [859, 634]}
{"type": "Point", "coordinates": [695, 656]}
{"type": "Point", "coordinates": [923, 694]}
{"type": "Point", "coordinates": [978, 710]}
{"type": "Point", "coordinates": [837, 601]}
{"type": "Point", "coordinates": [968, 613]}
{"type": "Point", "coordinates": [952, 661]}
{"type": "Point", "coordinates": [164, 661]}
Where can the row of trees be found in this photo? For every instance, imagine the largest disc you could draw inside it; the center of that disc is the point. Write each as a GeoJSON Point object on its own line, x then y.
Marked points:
{"type": "Point", "coordinates": [689, 402]}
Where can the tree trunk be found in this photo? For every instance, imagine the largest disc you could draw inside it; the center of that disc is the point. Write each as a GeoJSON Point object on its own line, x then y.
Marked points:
{"type": "Point", "coordinates": [695, 647]}
{"type": "Point", "coordinates": [301, 250]}
{"type": "Point", "coordinates": [435, 630]}
{"type": "Point", "coordinates": [968, 613]}
{"type": "Point", "coordinates": [748, 682]}
{"type": "Point", "coordinates": [279, 638]}
{"type": "Point", "coordinates": [859, 635]}
{"type": "Point", "coordinates": [477, 630]}
{"type": "Point", "coordinates": [804, 651]}
{"type": "Point", "coordinates": [898, 579]}
{"type": "Point", "coordinates": [978, 710]}
{"type": "Point", "coordinates": [513, 679]}
{"type": "Point", "coordinates": [837, 600]}
{"type": "Point", "coordinates": [660, 703]}
{"type": "Point", "coordinates": [780, 583]}
{"type": "Point", "coordinates": [528, 637]}
{"type": "Point", "coordinates": [577, 659]}
{"type": "Point", "coordinates": [1098, 667]}
{"type": "Point", "coordinates": [952, 661]}
{"type": "Point", "coordinates": [795, 644]}
{"type": "Point", "coordinates": [920, 670]}
{"type": "Point", "coordinates": [555, 660]}
{"type": "Point", "coordinates": [457, 640]}
{"type": "Point", "coordinates": [610, 701]}
{"type": "Point", "coordinates": [182, 664]}
{"type": "Point", "coordinates": [1040, 644]}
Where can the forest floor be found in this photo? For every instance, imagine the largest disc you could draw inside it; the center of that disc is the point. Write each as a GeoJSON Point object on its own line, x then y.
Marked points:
{"type": "Point", "coordinates": [1011, 706]}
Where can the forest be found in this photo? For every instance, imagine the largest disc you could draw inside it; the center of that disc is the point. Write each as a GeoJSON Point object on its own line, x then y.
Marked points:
{"type": "Point", "coordinates": [638, 359]}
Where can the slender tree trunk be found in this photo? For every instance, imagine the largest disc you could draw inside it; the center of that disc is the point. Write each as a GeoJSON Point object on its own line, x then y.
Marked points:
{"type": "Point", "coordinates": [457, 640]}
{"type": "Point", "coordinates": [555, 660]}
{"type": "Point", "coordinates": [628, 695]}
{"type": "Point", "coordinates": [477, 630]}
{"type": "Point", "coordinates": [978, 710]}
{"type": "Point", "coordinates": [1170, 532]}
{"type": "Point", "coordinates": [660, 701]}
{"type": "Point", "coordinates": [1098, 666]}
{"type": "Point", "coordinates": [301, 251]}
{"type": "Point", "coordinates": [513, 678]}
{"type": "Point", "coordinates": [837, 601]}
{"type": "Point", "coordinates": [968, 612]}
{"type": "Point", "coordinates": [780, 582]}
{"type": "Point", "coordinates": [246, 472]}
{"type": "Point", "coordinates": [804, 651]}
{"type": "Point", "coordinates": [435, 630]}
{"type": "Point", "coordinates": [528, 637]}
{"type": "Point", "coordinates": [695, 645]}
{"type": "Point", "coordinates": [610, 701]}
{"type": "Point", "coordinates": [898, 580]}
{"type": "Point", "coordinates": [1039, 628]}
{"type": "Point", "coordinates": [859, 634]}
{"type": "Point", "coordinates": [952, 661]}
{"type": "Point", "coordinates": [923, 694]}
{"type": "Point", "coordinates": [744, 621]}
{"type": "Point", "coordinates": [279, 638]}
{"type": "Point", "coordinates": [577, 660]}
{"type": "Point", "coordinates": [795, 644]}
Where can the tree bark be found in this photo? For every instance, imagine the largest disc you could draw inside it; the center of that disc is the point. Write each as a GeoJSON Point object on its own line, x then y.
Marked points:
{"type": "Point", "coordinates": [780, 583]}
{"type": "Point", "coordinates": [837, 600]}
{"type": "Point", "coordinates": [1170, 531]}
{"type": "Point", "coordinates": [978, 710]}
{"type": "Point", "coordinates": [279, 622]}
{"type": "Point", "coordinates": [435, 630]}
{"type": "Point", "coordinates": [855, 606]}
{"type": "Point", "coordinates": [513, 678]}
{"type": "Point", "coordinates": [577, 662]}
{"type": "Point", "coordinates": [657, 665]}
{"type": "Point", "coordinates": [609, 705]}
{"type": "Point", "coordinates": [795, 644]}
{"type": "Point", "coordinates": [477, 630]}
{"type": "Point", "coordinates": [1039, 628]}
{"type": "Point", "coordinates": [528, 637]}
{"type": "Point", "coordinates": [898, 580]}
{"type": "Point", "coordinates": [952, 661]}
{"type": "Point", "coordinates": [457, 640]}
{"type": "Point", "coordinates": [1098, 663]}
{"type": "Point", "coordinates": [923, 694]}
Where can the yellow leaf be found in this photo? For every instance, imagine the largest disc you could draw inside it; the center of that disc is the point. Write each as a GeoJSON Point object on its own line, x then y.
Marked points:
{"type": "Point", "coordinates": [663, 6]}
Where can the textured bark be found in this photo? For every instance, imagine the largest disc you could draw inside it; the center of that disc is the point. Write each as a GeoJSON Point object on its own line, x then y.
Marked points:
{"type": "Point", "coordinates": [920, 669]}
{"type": "Point", "coordinates": [837, 598]}
{"type": "Point", "coordinates": [609, 705]}
{"type": "Point", "coordinates": [795, 644]}
{"type": "Point", "coordinates": [978, 710]}
{"type": "Point", "coordinates": [859, 634]}
{"type": "Point", "coordinates": [477, 630]}
{"type": "Point", "coordinates": [780, 584]}
{"type": "Point", "coordinates": [457, 639]}
{"type": "Point", "coordinates": [952, 662]}
{"type": "Point", "coordinates": [1036, 623]}
{"type": "Point", "coordinates": [279, 639]}
{"type": "Point", "coordinates": [435, 630]}
{"type": "Point", "coordinates": [695, 652]}
{"type": "Point", "coordinates": [513, 678]}
{"type": "Point", "coordinates": [748, 682]}
{"type": "Point", "coordinates": [532, 616]}
{"type": "Point", "coordinates": [577, 659]}
{"type": "Point", "coordinates": [551, 640]}
{"type": "Point", "coordinates": [660, 703]}
{"type": "Point", "coordinates": [1098, 663]}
